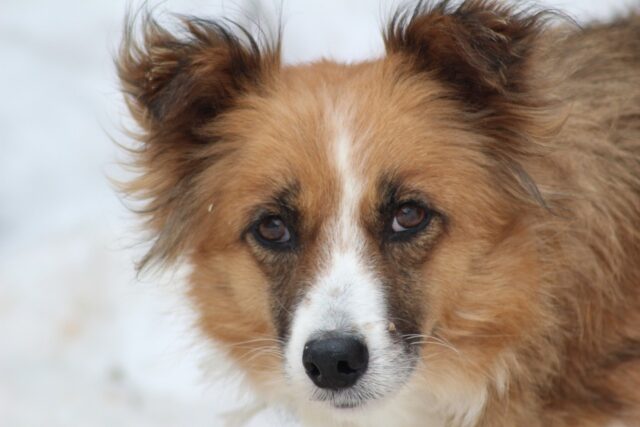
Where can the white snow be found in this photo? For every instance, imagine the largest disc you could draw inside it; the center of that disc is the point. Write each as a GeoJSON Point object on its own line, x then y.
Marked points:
{"type": "Point", "coordinates": [82, 342]}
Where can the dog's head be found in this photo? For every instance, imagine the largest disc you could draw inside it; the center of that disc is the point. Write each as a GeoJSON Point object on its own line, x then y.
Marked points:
{"type": "Point", "coordinates": [354, 231]}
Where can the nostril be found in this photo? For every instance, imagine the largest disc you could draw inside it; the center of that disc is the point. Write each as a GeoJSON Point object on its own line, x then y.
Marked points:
{"type": "Point", "coordinates": [344, 368]}
{"type": "Point", "coordinates": [312, 370]}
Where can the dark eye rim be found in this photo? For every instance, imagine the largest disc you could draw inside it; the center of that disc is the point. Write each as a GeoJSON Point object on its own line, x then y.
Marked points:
{"type": "Point", "coordinates": [410, 233]}
{"type": "Point", "coordinates": [271, 244]}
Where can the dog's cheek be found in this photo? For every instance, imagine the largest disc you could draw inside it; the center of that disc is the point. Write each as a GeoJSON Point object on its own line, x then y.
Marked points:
{"type": "Point", "coordinates": [485, 301]}
{"type": "Point", "coordinates": [232, 299]}
{"type": "Point", "coordinates": [285, 292]}
{"type": "Point", "coordinates": [407, 304]}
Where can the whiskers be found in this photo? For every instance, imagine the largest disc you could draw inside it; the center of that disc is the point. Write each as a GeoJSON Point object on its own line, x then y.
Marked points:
{"type": "Point", "coordinates": [421, 339]}
{"type": "Point", "coordinates": [266, 357]}
{"type": "Point", "coordinates": [275, 341]}
{"type": "Point", "coordinates": [257, 348]}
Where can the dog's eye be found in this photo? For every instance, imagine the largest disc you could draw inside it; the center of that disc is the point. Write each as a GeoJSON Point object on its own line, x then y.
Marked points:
{"type": "Point", "coordinates": [409, 216]}
{"type": "Point", "coordinates": [272, 229]}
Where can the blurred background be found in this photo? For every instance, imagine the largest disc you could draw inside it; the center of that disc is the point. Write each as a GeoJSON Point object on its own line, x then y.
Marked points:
{"type": "Point", "coordinates": [82, 341]}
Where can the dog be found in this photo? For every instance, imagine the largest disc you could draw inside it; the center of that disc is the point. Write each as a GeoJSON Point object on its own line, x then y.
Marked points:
{"type": "Point", "coordinates": [448, 235]}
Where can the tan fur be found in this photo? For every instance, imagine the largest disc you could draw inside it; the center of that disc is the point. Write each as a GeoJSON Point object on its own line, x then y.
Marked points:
{"type": "Point", "coordinates": [536, 304]}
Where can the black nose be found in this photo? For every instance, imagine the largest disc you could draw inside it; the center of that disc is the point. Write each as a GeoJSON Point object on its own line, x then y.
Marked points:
{"type": "Point", "coordinates": [335, 362]}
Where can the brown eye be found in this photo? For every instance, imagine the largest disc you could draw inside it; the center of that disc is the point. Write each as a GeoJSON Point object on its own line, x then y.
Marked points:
{"type": "Point", "coordinates": [408, 216]}
{"type": "Point", "coordinates": [273, 230]}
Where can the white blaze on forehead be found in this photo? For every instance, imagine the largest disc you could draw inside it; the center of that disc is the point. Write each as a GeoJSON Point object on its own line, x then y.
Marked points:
{"type": "Point", "coordinates": [346, 232]}
{"type": "Point", "coordinates": [346, 295]}
{"type": "Point", "coordinates": [346, 287]}
{"type": "Point", "coordinates": [346, 291]}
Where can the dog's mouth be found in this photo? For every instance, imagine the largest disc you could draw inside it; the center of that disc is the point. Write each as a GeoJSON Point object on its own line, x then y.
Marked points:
{"type": "Point", "coordinates": [348, 405]}
{"type": "Point", "coordinates": [358, 397]}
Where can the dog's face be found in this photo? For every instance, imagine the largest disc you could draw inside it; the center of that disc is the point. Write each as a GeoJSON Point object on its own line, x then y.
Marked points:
{"type": "Point", "coordinates": [354, 231]}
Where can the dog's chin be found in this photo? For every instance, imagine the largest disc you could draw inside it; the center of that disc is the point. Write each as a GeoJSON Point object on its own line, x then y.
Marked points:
{"type": "Point", "coordinates": [349, 409]}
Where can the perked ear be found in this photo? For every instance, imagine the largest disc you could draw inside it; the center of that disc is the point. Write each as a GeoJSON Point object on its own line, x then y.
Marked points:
{"type": "Point", "coordinates": [178, 82]}
{"type": "Point", "coordinates": [480, 48]}
{"type": "Point", "coordinates": [482, 51]}
{"type": "Point", "coordinates": [174, 85]}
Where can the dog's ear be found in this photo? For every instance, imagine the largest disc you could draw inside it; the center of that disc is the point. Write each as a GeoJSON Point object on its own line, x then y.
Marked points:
{"type": "Point", "coordinates": [482, 51]}
{"type": "Point", "coordinates": [176, 85]}
{"type": "Point", "coordinates": [480, 48]}
{"type": "Point", "coordinates": [176, 82]}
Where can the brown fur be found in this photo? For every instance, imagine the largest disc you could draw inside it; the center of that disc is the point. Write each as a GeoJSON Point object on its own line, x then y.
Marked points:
{"type": "Point", "coordinates": [524, 137]}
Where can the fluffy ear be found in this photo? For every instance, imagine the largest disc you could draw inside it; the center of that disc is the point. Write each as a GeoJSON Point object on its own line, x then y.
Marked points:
{"type": "Point", "coordinates": [480, 48]}
{"type": "Point", "coordinates": [176, 82]}
{"type": "Point", "coordinates": [483, 50]}
{"type": "Point", "coordinates": [174, 85]}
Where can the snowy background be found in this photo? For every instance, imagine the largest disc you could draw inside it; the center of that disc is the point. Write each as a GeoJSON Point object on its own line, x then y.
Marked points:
{"type": "Point", "coordinates": [82, 342]}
